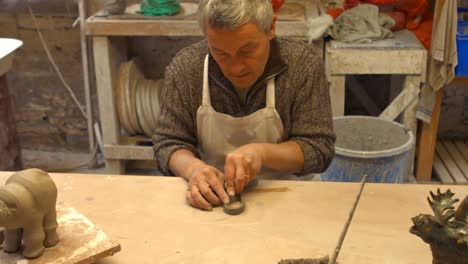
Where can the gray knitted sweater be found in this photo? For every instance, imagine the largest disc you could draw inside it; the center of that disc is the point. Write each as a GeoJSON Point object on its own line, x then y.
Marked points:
{"type": "Point", "coordinates": [302, 101]}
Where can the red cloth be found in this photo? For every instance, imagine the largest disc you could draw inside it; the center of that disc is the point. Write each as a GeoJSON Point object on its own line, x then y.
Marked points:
{"type": "Point", "coordinates": [277, 4]}
{"type": "Point", "coordinates": [400, 20]}
{"type": "Point", "coordinates": [334, 12]}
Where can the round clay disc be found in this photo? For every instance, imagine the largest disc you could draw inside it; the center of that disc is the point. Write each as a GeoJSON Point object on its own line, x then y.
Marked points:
{"type": "Point", "coordinates": [134, 75]}
{"type": "Point", "coordinates": [149, 110]}
{"type": "Point", "coordinates": [147, 125]}
{"type": "Point", "coordinates": [155, 97]}
{"type": "Point", "coordinates": [121, 98]}
{"type": "Point", "coordinates": [138, 102]}
{"type": "Point", "coordinates": [127, 97]}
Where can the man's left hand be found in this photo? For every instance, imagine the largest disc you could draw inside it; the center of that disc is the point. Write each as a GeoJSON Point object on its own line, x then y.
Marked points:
{"type": "Point", "coordinates": [242, 165]}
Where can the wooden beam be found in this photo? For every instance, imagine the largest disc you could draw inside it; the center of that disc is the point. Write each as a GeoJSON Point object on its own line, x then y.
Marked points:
{"type": "Point", "coordinates": [350, 61]}
{"type": "Point", "coordinates": [84, 58]}
{"type": "Point", "coordinates": [412, 86]}
{"type": "Point", "coordinates": [427, 142]}
{"type": "Point", "coordinates": [121, 152]}
{"type": "Point", "coordinates": [337, 94]}
{"type": "Point", "coordinates": [408, 95]}
{"type": "Point", "coordinates": [108, 53]}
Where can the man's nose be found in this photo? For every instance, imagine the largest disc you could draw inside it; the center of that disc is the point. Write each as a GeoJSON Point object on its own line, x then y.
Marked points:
{"type": "Point", "coordinates": [237, 67]}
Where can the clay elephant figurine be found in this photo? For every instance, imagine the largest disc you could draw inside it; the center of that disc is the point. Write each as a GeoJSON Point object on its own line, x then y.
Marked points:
{"type": "Point", "coordinates": [28, 214]}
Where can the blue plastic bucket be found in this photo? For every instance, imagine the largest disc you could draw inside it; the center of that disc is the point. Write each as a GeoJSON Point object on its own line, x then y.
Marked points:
{"type": "Point", "coordinates": [462, 49]}
{"type": "Point", "coordinates": [372, 146]}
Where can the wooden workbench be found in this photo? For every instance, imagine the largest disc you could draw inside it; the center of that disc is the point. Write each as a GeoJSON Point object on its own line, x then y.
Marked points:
{"type": "Point", "coordinates": [148, 216]}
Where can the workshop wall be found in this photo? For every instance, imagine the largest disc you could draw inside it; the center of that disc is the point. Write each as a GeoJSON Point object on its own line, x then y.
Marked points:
{"type": "Point", "coordinates": [47, 117]}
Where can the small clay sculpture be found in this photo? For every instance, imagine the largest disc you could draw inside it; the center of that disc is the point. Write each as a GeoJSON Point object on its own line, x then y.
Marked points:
{"type": "Point", "coordinates": [27, 212]}
{"type": "Point", "coordinates": [447, 231]}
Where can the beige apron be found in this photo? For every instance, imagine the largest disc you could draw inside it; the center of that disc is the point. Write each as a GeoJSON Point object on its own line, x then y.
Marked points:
{"type": "Point", "coordinates": [220, 134]}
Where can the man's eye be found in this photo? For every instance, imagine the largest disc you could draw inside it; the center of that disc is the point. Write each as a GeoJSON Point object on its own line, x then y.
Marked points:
{"type": "Point", "coordinates": [247, 51]}
{"type": "Point", "coordinates": [222, 54]}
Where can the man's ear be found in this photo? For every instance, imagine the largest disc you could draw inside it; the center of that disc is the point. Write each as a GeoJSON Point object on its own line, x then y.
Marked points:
{"type": "Point", "coordinates": [272, 32]}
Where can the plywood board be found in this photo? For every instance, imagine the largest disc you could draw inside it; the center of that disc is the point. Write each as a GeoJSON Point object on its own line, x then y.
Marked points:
{"type": "Point", "coordinates": [441, 171]}
{"type": "Point", "coordinates": [463, 147]}
{"type": "Point", "coordinates": [450, 163]}
{"type": "Point", "coordinates": [81, 242]}
{"type": "Point", "coordinates": [461, 162]}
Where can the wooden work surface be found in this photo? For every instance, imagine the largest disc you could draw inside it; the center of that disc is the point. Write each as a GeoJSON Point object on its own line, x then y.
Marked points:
{"type": "Point", "coordinates": [283, 219]}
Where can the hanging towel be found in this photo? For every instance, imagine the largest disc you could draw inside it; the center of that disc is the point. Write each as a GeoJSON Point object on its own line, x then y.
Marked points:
{"type": "Point", "coordinates": [442, 57]}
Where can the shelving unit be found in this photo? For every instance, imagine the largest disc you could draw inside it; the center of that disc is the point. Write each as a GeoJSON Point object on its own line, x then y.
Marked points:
{"type": "Point", "coordinates": [110, 41]}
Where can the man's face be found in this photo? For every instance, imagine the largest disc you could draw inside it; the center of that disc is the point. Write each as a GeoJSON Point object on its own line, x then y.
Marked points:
{"type": "Point", "coordinates": [241, 53]}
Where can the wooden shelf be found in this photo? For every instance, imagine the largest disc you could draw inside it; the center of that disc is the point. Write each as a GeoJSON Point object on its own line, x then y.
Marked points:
{"type": "Point", "coordinates": [116, 27]}
{"type": "Point", "coordinates": [188, 26]}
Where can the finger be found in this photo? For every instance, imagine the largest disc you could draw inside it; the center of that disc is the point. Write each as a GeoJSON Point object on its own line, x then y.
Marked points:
{"type": "Point", "coordinates": [240, 175]}
{"type": "Point", "coordinates": [198, 198]}
{"type": "Point", "coordinates": [248, 172]}
{"type": "Point", "coordinates": [208, 194]}
{"type": "Point", "coordinates": [217, 185]}
{"type": "Point", "coordinates": [230, 175]}
{"type": "Point", "coordinates": [190, 200]}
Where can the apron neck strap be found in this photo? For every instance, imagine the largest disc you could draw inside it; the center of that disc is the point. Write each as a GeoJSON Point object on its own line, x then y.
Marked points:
{"type": "Point", "coordinates": [206, 88]}
{"type": "Point", "coordinates": [270, 96]}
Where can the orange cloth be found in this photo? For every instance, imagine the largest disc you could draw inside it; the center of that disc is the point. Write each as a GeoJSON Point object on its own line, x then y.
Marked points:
{"type": "Point", "coordinates": [424, 31]}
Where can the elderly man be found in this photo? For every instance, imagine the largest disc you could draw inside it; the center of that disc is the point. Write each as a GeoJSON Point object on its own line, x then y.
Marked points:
{"type": "Point", "coordinates": [242, 104]}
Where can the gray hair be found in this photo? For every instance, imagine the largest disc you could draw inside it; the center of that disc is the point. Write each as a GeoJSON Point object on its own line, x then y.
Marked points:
{"type": "Point", "coordinates": [231, 14]}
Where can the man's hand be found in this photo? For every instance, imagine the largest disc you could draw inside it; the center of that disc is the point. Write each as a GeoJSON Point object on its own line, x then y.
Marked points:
{"type": "Point", "coordinates": [205, 187]}
{"type": "Point", "coordinates": [242, 165]}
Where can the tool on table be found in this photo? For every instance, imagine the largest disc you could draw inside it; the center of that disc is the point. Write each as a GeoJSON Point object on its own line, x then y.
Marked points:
{"type": "Point", "coordinates": [348, 222]}
{"type": "Point", "coordinates": [326, 259]}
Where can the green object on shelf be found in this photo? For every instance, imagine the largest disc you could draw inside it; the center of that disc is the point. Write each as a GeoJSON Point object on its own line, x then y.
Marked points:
{"type": "Point", "coordinates": [160, 7]}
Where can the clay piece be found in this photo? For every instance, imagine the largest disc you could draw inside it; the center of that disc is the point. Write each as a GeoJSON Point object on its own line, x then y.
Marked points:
{"type": "Point", "coordinates": [236, 205]}
{"type": "Point", "coordinates": [28, 213]}
{"type": "Point", "coordinates": [446, 231]}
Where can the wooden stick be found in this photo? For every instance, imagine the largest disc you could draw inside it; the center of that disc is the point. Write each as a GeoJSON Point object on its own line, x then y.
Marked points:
{"type": "Point", "coordinates": [348, 222]}
{"type": "Point", "coordinates": [84, 56]}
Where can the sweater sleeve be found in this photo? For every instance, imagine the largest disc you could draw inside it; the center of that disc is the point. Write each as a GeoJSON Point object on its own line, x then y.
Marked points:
{"type": "Point", "coordinates": [312, 123]}
{"type": "Point", "coordinates": [175, 126]}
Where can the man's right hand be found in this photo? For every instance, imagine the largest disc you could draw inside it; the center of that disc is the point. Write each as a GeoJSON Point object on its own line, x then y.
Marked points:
{"type": "Point", "coordinates": [205, 187]}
